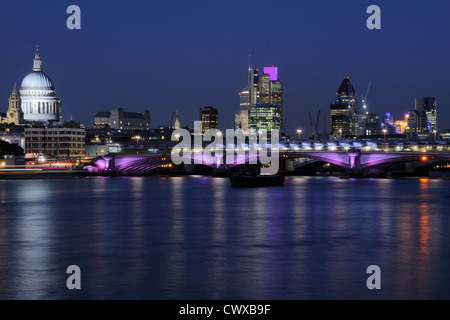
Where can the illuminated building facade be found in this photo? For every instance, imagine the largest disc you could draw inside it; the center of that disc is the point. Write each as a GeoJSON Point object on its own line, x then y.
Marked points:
{"type": "Point", "coordinates": [271, 90]}
{"type": "Point", "coordinates": [120, 120]}
{"type": "Point", "coordinates": [265, 116]}
{"type": "Point", "coordinates": [417, 123]}
{"type": "Point", "coordinates": [209, 117]}
{"type": "Point", "coordinates": [428, 105]}
{"type": "Point", "coordinates": [344, 112]}
{"type": "Point", "coordinates": [65, 141]}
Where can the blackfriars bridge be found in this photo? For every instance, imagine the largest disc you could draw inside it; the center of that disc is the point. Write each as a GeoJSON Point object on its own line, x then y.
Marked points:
{"type": "Point", "coordinates": [355, 162]}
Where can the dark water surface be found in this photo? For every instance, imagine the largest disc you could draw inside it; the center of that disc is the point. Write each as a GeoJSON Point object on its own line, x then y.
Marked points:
{"type": "Point", "coordinates": [197, 238]}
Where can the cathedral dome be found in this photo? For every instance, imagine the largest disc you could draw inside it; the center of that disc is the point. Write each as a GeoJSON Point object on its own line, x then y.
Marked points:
{"type": "Point", "coordinates": [37, 81]}
{"type": "Point", "coordinates": [37, 95]}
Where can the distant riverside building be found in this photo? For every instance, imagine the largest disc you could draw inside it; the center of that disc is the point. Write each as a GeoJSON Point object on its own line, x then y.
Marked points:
{"type": "Point", "coordinates": [368, 124]}
{"type": "Point", "coordinates": [265, 116]}
{"type": "Point", "coordinates": [209, 117]}
{"type": "Point", "coordinates": [13, 135]}
{"type": "Point", "coordinates": [417, 123]}
{"type": "Point", "coordinates": [428, 105]}
{"type": "Point", "coordinates": [62, 141]}
{"type": "Point", "coordinates": [344, 112]}
{"type": "Point", "coordinates": [120, 120]}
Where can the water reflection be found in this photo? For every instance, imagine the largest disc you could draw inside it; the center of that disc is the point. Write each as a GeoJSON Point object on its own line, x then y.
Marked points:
{"type": "Point", "coordinates": [197, 238]}
{"type": "Point", "coordinates": [34, 276]}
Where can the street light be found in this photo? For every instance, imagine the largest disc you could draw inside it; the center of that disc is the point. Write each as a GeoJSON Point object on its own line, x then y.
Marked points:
{"type": "Point", "coordinates": [434, 131]}
{"type": "Point", "coordinates": [137, 144]}
{"type": "Point", "coordinates": [299, 132]}
{"type": "Point", "coordinates": [340, 134]}
{"type": "Point", "coordinates": [384, 131]}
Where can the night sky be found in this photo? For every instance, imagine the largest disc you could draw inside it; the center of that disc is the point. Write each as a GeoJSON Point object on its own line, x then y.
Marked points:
{"type": "Point", "coordinates": [164, 55]}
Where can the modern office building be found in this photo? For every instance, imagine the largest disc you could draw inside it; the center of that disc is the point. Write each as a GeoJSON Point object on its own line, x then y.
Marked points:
{"type": "Point", "coordinates": [344, 112]}
{"type": "Point", "coordinates": [243, 99]}
{"type": "Point", "coordinates": [417, 123]}
{"type": "Point", "coordinates": [209, 117]}
{"type": "Point", "coordinates": [271, 90]}
{"type": "Point", "coordinates": [428, 105]}
{"type": "Point", "coordinates": [368, 124]}
{"type": "Point", "coordinates": [265, 116]}
{"type": "Point", "coordinates": [262, 90]}
{"type": "Point", "coordinates": [252, 87]}
{"type": "Point", "coordinates": [120, 120]}
{"type": "Point", "coordinates": [61, 141]}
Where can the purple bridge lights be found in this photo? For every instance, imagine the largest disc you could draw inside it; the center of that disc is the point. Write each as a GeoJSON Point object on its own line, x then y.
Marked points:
{"type": "Point", "coordinates": [355, 163]}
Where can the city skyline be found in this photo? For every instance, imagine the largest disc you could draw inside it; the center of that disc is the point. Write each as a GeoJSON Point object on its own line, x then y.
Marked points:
{"type": "Point", "coordinates": [113, 75]}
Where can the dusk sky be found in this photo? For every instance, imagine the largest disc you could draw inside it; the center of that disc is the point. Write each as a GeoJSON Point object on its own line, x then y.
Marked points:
{"type": "Point", "coordinates": [168, 55]}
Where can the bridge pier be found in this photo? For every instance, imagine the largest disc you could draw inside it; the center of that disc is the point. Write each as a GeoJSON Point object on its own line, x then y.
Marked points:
{"type": "Point", "coordinates": [354, 162]}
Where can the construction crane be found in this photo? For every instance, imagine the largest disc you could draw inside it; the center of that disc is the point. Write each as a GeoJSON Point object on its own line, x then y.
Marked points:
{"type": "Point", "coordinates": [314, 129]}
{"type": "Point", "coordinates": [364, 98]}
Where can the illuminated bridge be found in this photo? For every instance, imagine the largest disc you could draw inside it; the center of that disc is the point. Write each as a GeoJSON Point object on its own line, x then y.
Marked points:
{"type": "Point", "coordinates": [356, 161]}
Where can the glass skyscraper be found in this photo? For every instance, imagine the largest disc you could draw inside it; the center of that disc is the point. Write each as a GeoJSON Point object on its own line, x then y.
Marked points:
{"type": "Point", "coordinates": [344, 112]}
{"type": "Point", "coordinates": [428, 105]}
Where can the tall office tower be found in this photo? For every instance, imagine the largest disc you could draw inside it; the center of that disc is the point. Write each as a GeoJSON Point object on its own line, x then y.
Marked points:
{"type": "Point", "coordinates": [428, 105]}
{"type": "Point", "coordinates": [241, 116]}
{"type": "Point", "coordinates": [265, 116]}
{"type": "Point", "coordinates": [209, 117]}
{"type": "Point", "coordinates": [243, 99]}
{"type": "Point", "coordinates": [252, 87]}
{"type": "Point", "coordinates": [271, 90]}
{"type": "Point", "coordinates": [344, 112]}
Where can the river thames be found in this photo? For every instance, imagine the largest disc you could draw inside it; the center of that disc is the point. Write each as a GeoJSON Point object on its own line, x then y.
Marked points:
{"type": "Point", "coordinates": [198, 238]}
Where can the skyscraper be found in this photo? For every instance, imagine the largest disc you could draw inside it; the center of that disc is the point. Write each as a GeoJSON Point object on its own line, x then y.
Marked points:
{"type": "Point", "coordinates": [344, 112]}
{"type": "Point", "coordinates": [252, 87]}
{"type": "Point", "coordinates": [271, 90]}
{"type": "Point", "coordinates": [209, 117]}
{"type": "Point", "coordinates": [428, 105]}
